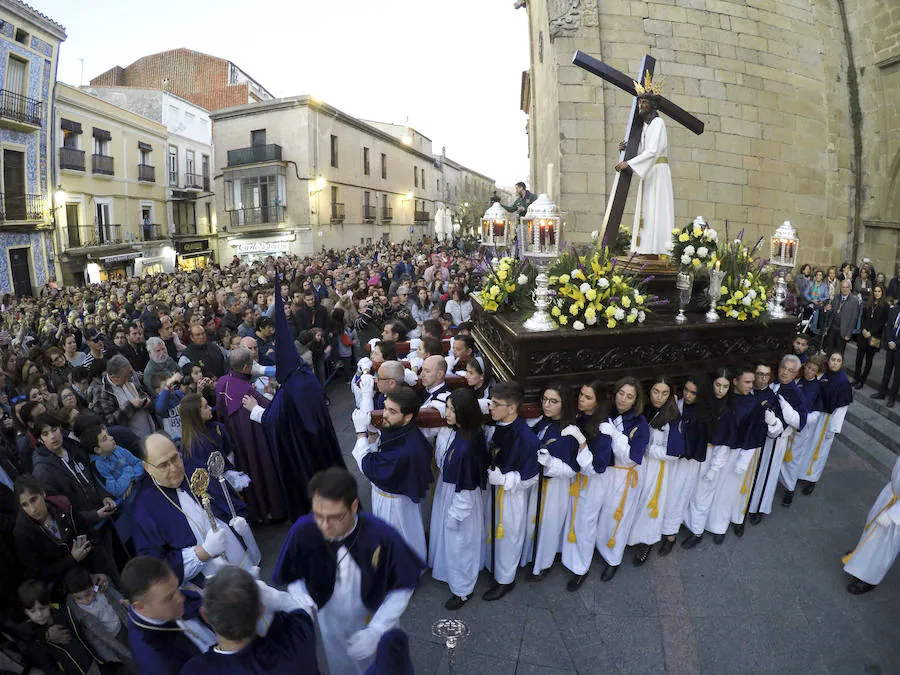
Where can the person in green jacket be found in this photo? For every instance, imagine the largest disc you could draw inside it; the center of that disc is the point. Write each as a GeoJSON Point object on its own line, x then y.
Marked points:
{"type": "Point", "coordinates": [523, 200]}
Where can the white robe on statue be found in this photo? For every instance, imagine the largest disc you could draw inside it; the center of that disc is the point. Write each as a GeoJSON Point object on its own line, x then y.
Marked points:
{"type": "Point", "coordinates": [455, 555]}
{"type": "Point", "coordinates": [711, 475]}
{"type": "Point", "coordinates": [654, 211]}
{"type": "Point", "coordinates": [879, 543]}
{"type": "Point", "coordinates": [620, 501]}
{"type": "Point", "coordinates": [828, 427]}
{"type": "Point", "coordinates": [398, 511]}
{"type": "Point", "coordinates": [799, 451]}
{"type": "Point", "coordinates": [653, 490]}
{"type": "Point", "coordinates": [772, 457]}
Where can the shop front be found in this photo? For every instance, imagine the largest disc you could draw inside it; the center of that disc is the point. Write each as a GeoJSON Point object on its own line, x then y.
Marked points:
{"type": "Point", "coordinates": [194, 255]}
{"type": "Point", "coordinates": [109, 267]}
{"type": "Point", "coordinates": [250, 250]}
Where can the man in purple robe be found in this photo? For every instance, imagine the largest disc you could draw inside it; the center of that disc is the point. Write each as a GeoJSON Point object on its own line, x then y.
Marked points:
{"type": "Point", "coordinates": [264, 497]}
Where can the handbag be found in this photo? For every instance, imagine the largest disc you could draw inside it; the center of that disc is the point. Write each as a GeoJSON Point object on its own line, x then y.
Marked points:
{"type": "Point", "coordinates": [875, 342]}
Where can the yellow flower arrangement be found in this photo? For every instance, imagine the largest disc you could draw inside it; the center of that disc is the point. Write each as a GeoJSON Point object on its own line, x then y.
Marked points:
{"type": "Point", "coordinates": [507, 283]}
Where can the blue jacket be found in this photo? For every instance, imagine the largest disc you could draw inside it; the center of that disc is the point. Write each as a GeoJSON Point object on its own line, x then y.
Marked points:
{"type": "Point", "coordinates": [117, 471]}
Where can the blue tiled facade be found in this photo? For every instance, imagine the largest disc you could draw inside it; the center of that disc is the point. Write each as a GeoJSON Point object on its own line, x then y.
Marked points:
{"type": "Point", "coordinates": [37, 145]}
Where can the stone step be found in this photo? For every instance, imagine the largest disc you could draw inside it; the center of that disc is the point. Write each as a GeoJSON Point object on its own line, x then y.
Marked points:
{"type": "Point", "coordinates": [891, 415]}
{"type": "Point", "coordinates": [857, 441]}
{"type": "Point", "coordinates": [874, 424]}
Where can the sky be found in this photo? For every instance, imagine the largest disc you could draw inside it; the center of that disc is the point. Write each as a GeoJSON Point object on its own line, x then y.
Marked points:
{"type": "Point", "coordinates": [452, 70]}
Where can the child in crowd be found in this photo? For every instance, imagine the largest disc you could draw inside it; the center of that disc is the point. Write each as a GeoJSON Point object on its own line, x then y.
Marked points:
{"type": "Point", "coordinates": [117, 468]}
{"type": "Point", "coordinates": [167, 387]}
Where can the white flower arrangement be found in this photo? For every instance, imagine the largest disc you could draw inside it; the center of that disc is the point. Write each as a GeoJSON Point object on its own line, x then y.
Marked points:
{"type": "Point", "coordinates": [578, 325]}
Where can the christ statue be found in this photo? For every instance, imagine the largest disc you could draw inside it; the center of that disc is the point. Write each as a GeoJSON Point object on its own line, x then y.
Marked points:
{"type": "Point", "coordinates": [654, 211]}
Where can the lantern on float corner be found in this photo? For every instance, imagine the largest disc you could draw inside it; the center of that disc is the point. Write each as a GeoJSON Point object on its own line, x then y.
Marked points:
{"type": "Point", "coordinates": [497, 227]}
{"type": "Point", "coordinates": [783, 256]}
{"type": "Point", "coordinates": [543, 226]}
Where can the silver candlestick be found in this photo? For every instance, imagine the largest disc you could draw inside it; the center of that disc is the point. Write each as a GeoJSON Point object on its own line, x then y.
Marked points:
{"type": "Point", "coordinates": [776, 310]}
{"type": "Point", "coordinates": [541, 319]}
{"type": "Point", "coordinates": [452, 632]}
{"type": "Point", "coordinates": [684, 282]}
{"type": "Point", "coordinates": [543, 227]}
{"type": "Point", "coordinates": [714, 293]}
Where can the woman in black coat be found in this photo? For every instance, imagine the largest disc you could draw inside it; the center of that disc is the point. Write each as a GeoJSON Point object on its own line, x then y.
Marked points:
{"type": "Point", "coordinates": [874, 316]}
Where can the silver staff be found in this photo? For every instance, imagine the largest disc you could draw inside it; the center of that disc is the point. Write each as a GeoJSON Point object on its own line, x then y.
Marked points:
{"type": "Point", "coordinates": [216, 466]}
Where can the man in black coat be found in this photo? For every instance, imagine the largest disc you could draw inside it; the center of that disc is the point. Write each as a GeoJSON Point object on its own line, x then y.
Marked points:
{"type": "Point", "coordinates": [203, 353]}
{"type": "Point", "coordinates": [891, 343]}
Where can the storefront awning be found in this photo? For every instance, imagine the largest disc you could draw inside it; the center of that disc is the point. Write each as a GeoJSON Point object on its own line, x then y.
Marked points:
{"type": "Point", "coordinates": [123, 257]}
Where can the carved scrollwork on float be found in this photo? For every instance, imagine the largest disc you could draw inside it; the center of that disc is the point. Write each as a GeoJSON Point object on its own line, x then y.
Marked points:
{"type": "Point", "coordinates": [495, 339]}
{"type": "Point", "coordinates": [571, 15]}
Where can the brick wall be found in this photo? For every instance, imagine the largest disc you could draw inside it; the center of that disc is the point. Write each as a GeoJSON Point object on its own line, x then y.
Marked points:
{"type": "Point", "coordinates": [199, 78]}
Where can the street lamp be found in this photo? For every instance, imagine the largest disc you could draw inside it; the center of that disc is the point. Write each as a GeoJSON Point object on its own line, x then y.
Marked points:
{"type": "Point", "coordinates": [543, 224]}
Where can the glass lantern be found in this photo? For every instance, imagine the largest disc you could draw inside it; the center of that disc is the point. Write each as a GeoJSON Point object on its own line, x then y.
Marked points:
{"type": "Point", "coordinates": [783, 256]}
{"type": "Point", "coordinates": [497, 227]}
{"type": "Point", "coordinates": [543, 226]}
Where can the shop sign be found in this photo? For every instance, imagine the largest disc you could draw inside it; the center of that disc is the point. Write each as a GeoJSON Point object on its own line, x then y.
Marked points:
{"type": "Point", "coordinates": [247, 247]}
{"type": "Point", "coordinates": [194, 246]}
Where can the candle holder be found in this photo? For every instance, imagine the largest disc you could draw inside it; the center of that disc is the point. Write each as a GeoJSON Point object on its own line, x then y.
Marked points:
{"type": "Point", "coordinates": [497, 227]}
{"type": "Point", "coordinates": [543, 226]}
{"type": "Point", "coordinates": [714, 292]}
{"type": "Point", "coordinates": [452, 632]}
{"type": "Point", "coordinates": [783, 256]}
{"type": "Point", "coordinates": [684, 282]}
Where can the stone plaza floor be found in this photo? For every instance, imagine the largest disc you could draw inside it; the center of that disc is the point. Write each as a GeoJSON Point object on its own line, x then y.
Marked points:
{"type": "Point", "coordinates": [773, 601]}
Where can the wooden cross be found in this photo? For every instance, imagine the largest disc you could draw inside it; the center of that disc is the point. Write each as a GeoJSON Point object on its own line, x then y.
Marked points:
{"type": "Point", "coordinates": [615, 207]}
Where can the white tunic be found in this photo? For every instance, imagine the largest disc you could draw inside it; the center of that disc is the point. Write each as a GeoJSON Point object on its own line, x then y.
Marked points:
{"type": "Point", "coordinates": [399, 511]}
{"type": "Point", "coordinates": [455, 554]}
{"type": "Point", "coordinates": [653, 490]}
{"type": "Point", "coordinates": [582, 519]}
{"type": "Point", "coordinates": [620, 501]}
{"type": "Point", "coordinates": [773, 453]}
{"type": "Point", "coordinates": [654, 211]}
{"type": "Point", "coordinates": [799, 451]}
{"type": "Point", "coordinates": [828, 426]}
{"type": "Point", "coordinates": [710, 476]}
{"type": "Point", "coordinates": [554, 509]}
{"type": "Point", "coordinates": [879, 543]}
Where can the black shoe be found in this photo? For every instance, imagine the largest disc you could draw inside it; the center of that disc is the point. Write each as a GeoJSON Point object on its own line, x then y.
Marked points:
{"type": "Point", "coordinates": [718, 539]}
{"type": "Point", "coordinates": [858, 587]}
{"type": "Point", "coordinates": [808, 488]}
{"type": "Point", "coordinates": [756, 518]}
{"type": "Point", "coordinates": [738, 529]}
{"type": "Point", "coordinates": [788, 498]}
{"type": "Point", "coordinates": [497, 591]}
{"type": "Point", "coordinates": [890, 402]}
{"type": "Point", "coordinates": [531, 578]}
{"type": "Point", "coordinates": [691, 541]}
{"type": "Point", "coordinates": [878, 396]}
{"type": "Point", "coordinates": [641, 554]}
{"type": "Point", "coordinates": [576, 581]}
{"type": "Point", "coordinates": [455, 602]}
{"type": "Point", "coordinates": [665, 548]}
{"type": "Point", "coordinates": [609, 572]}
{"type": "Point", "coordinates": [858, 385]}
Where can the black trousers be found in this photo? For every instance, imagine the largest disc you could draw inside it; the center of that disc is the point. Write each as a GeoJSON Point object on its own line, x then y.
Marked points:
{"type": "Point", "coordinates": [864, 356]}
{"type": "Point", "coordinates": [834, 342]}
{"type": "Point", "coordinates": [891, 365]}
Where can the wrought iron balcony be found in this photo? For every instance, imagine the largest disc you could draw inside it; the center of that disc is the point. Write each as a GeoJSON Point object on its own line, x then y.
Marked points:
{"type": "Point", "coordinates": [20, 109]}
{"type": "Point", "coordinates": [84, 236]}
{"type": "Point", "coordinates": [20, 207]}
{"type": "Point", "coordinates": [422, 216]}
{"type": "Point", "coordinates": [152, 232]}
{"type": "Point", "coordinates": [369, 213]}
{"type": "Point", "coordinates": [387, 214]}
{"type": "Point", "coordinates": [103, 164]}
{"type": "Point", "coordinates": [72, 159]}
{"type": "Point", "coordinates": [261, 215]}
{"type": "Point", "coordinates": [147, 173]}
{"type": "Point", "coordinates": [193, 181]}
{"type": "Point", "coordinates": [337, 212]}
{"type": "Point", "coordinates": [173, 178]}
{"type": "Point", "coordinates": [206, 184]}
{"type": "Point", "coordinates": [186, 230]}
{"type": "Point", "coordinates": [252, 155]}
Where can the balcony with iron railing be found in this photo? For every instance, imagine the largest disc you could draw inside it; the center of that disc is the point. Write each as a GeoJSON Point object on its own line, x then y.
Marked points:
{"type": "Point", "coordinates": [173, 178]}
{"type": "Point", "coordinates": [91, 236]}
{"type": "Point", "coordinates": [337, 212]}
{"type": "Point", "coordinates": [147, 173]}
{"type": "Point", "coordinates": [260, 215]}
{"type": "Point", "coordinates": [152, 232]}
{"type": "Point", "coordinates": [369, 213]}
{"type": "Point", "coordinates": [187, 230]}
{"type": "Point", "coordinates": [255, 154]}
{"type": "Point", "coordinates": [20, 112]}
{"type": "Point", "coordinates": [206, 184]}
{"type": "Point", "coordinates": [103, 165]}
{"type": "Point", "coordinates": [387, 214]}
{"type": "Point", "coordinates": [422, 216]}
{"type": "Point", "coordinates": [20, 207]}
{"type": "Point", "coordinates": [71, 159]}
{"type": "Point", "coordinates": [193, 181]}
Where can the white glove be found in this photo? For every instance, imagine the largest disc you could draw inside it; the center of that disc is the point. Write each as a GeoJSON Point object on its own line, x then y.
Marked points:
{"type": "Point", "coordinates": [743, 462]}
{"type": "Point", "coordinates": [495, 477]}
{"type": "Point", "coordinates": [237, 479]}
{"type": "Point", "coordinates": [410, 377]}
{"type": "Point", "coordinates": [770, 418]}
{"type": "Point", "coordinates": [273, 599]}
{"type": "Point", "coordinates": [215, 543]}
{"type": "Point", "coordinates": [711, 475]}
{"type": "Point", "coordinates": [366, 383]}
{"type": "Point", "coordinates": [575, 433]}
{"type": "Point", "coordinates": [361, 420]}
{"type": "Point", "coordinates": [364, 364]}
{"type": "Point", "coordinates": [584, 458]}
{"type": "Point", "coordinates": [451, 361]}
{"type": "Point", "coordinates": [884, 519]}
{"type": "Point", "coordinates": [609, 429]}
{"type": "Point", "coordinates": [373, 342]}
{"type": "Point", "coordinates": [460, 373]}
{"type": "Point", "coordinates": [484, 405]}
{"type": "Point", "coordinates": [363, 643]}
{"type": "Point", "coordinates": [543, 457]}
{"type": "Point", "coordinates": [452, 524]}
{"type": "Point", "coordinates": [440, 406]}
{"type": "Point", "coordinates": [241, 526]}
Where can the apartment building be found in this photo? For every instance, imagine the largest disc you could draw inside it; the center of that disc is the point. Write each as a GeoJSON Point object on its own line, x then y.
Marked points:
{"type": "Point", "coordinates": [188, 160]}
{"type": "Point", "coordinates": [29, 49]}
{"type": "Point", "coordinates": [112, 217]}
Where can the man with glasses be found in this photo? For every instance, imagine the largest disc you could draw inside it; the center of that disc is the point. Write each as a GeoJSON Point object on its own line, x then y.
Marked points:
{"type": "Point", "coordinates": [170, 522]}
{"type": "Point", "coordinates": [358, 570]}
{"type": "Point", "coordinates": [513, 473]}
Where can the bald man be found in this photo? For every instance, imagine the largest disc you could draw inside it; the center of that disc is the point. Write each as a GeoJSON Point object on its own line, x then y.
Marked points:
{"type": "Point", "coordinates": [434, 380]}
{"type": "Point", "coordinates": [170, 522]}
